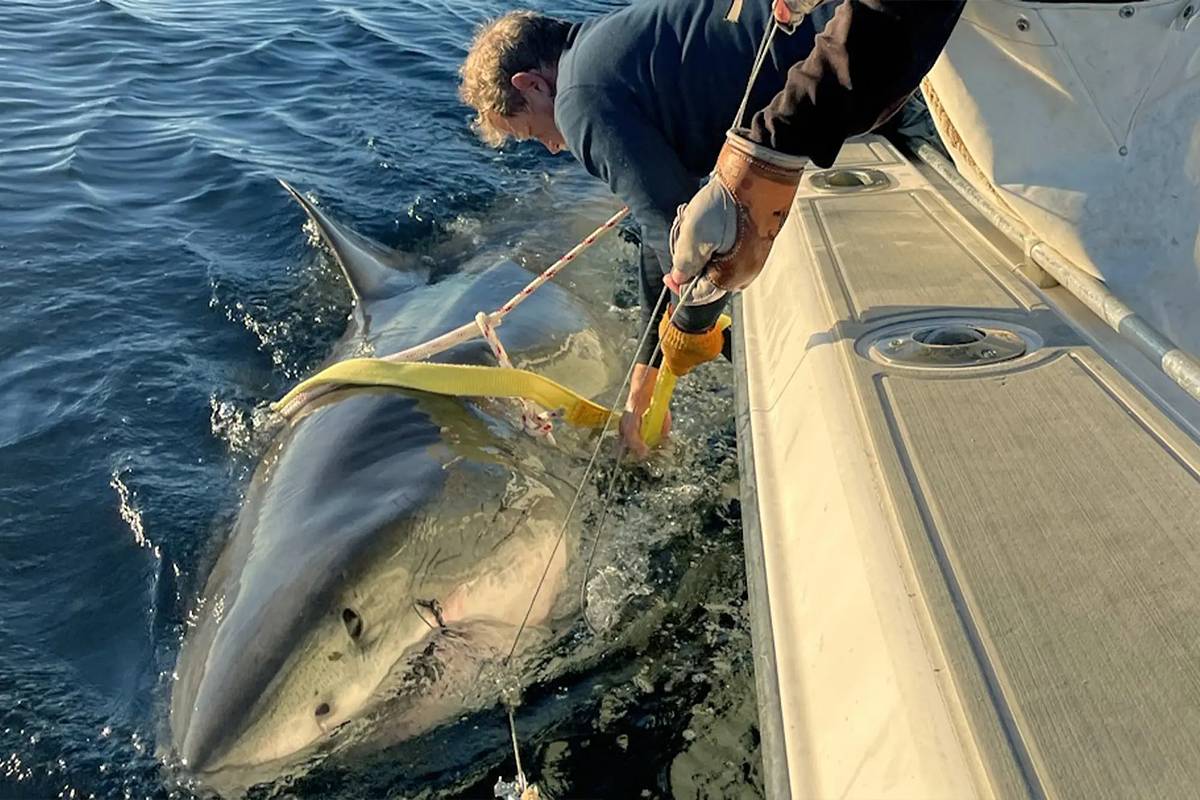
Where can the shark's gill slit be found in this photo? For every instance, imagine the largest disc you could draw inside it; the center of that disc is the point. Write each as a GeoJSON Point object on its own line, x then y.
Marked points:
{"type": "Point", "coordinates": [353, 622]}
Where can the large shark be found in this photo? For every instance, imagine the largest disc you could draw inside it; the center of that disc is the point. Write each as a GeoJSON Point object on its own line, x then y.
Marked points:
{"type": "Point", "coordinates": [389, 542]}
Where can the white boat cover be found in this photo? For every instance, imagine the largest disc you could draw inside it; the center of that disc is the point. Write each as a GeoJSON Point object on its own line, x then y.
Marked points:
{"type": "Point", "coordinates": [1084, 120]}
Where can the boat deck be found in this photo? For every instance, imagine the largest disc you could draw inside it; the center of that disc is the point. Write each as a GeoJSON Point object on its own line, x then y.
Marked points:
{"type": "Point", "coordinates": [967, 581]}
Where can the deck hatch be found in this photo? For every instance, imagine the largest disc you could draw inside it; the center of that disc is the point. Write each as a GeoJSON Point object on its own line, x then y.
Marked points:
{"type": "Point", "coordinates": [949, 343]}
{"type": "Point", "coordinates": [846, 180]}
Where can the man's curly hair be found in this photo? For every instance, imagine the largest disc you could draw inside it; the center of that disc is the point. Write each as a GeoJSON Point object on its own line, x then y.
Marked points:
{"type": "Point", "coordinates": [519, 41]}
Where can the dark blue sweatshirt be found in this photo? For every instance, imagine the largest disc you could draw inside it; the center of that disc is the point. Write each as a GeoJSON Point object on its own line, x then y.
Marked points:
{"type": "Point", "coordinates": [645, 95]}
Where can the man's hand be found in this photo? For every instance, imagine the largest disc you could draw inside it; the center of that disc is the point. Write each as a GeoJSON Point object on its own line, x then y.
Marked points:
{"type": "Point", "coordinates": [641, 391]}
{"type": "Point", "coordinates": [705, 227]}
{"type": "Point", "coordinates": [727, 228]}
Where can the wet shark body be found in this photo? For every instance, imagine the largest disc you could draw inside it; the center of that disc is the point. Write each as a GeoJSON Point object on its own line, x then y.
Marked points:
{"type": "Point", "coordinates": [388, 544]}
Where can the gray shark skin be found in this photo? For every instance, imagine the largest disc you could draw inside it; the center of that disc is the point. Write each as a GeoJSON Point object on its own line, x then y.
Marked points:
{"type": "Point", "coordinates": [388, 543]}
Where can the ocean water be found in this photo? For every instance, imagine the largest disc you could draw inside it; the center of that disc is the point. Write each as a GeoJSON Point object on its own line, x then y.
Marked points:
{"type": "Point", "coordinates": [158, 291]}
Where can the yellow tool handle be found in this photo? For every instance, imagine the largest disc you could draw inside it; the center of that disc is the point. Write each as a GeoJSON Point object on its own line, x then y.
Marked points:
{"type": "Point", "coordinates": [660, 403]}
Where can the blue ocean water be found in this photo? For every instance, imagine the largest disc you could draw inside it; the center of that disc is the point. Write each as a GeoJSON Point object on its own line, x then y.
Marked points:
{"type": "Point", "coordinates": [157, 289]}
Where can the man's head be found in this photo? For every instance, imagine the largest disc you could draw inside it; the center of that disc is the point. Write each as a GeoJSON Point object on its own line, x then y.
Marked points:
{"type": "Point", "coordinates": [509, 78]}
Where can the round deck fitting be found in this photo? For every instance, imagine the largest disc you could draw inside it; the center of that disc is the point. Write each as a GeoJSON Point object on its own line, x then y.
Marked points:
{"type": "Point", "coordinates": [846, 181]}
{"type": "Point", "coordinates": [948, 343]}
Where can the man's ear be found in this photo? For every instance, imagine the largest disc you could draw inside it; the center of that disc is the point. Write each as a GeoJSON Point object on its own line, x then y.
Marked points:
{"type": "Point", "coordinates": [525, 81]}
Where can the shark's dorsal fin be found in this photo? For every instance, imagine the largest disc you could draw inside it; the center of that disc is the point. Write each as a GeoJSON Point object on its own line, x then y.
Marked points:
{"type": "Point", "coordinates": [372, 271]}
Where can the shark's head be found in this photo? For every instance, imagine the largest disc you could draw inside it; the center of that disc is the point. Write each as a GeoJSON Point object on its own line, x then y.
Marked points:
{"type": "Point", "coordinates": [374, 562]}
{"type": "Point", "coordinates": [311, 602]}
{"type": "Point", "coordinates": [283, 691]}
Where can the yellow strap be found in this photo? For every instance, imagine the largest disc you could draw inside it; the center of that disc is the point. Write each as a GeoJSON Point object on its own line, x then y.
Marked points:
{"type": "Point", "coordinates": [460, 381]}
{"type": "Point", "coordinates": [656, 414]}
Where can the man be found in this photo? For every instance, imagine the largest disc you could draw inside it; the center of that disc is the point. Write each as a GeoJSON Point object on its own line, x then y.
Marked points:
{"type": "Point", "coordinates": [643, 97]}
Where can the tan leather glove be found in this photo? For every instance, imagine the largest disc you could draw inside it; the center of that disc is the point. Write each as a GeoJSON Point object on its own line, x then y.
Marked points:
{"type": "Point", "coordinates": [683, 351]}
{"type": "Point", "coordinates": [727, 229]}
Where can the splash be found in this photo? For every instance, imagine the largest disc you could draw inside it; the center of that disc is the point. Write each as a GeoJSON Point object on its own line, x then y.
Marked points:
{"type": "Point", "coordinates": [245, 429]}
{"type": "Point", "coordinates": [131, 513]}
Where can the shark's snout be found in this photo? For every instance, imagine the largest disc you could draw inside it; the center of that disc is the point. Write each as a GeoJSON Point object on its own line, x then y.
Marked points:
{"type": "Point", "coordinates": [199, 745]}
{"type": "Point", "coordinates": [207, 725]}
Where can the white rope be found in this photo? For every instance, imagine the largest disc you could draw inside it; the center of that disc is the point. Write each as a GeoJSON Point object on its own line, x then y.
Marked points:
{"type": "Point", "coordinates": [522, 783]}
{"type": "Point", "coordinates": [536, 423]}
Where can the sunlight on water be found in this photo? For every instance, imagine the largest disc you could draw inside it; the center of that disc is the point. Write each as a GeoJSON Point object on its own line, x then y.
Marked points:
{"type": "Point", "coordinates": [131, 515]}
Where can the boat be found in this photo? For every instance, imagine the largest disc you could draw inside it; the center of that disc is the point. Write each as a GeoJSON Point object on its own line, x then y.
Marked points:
{"type": "Point", "coordinates": [968, 404]}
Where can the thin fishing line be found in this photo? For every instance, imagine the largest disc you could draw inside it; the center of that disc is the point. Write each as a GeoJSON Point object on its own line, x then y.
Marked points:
{"type": "Point", "coordinates": [587, 570]}
{"type": "Point", "coordinates": [761, 56]}
{"type": "Point", "coordinates": [763, 48]}
{"type": "Point", "coordinates": [586, 473]}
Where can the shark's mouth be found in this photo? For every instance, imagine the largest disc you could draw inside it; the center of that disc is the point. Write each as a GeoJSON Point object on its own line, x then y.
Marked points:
{"type": "Point", "coordinates": [453, 670]}
{"type": "Point", "coordinates": [454, 659]}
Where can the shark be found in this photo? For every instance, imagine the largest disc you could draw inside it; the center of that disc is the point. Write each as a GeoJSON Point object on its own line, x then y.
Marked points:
{"type": "Point", "coordinates": [388, 544]}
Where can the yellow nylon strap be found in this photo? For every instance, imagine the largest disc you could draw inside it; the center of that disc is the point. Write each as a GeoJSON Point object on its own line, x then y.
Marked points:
{"type": "Point", "coordinates": [459, 381]}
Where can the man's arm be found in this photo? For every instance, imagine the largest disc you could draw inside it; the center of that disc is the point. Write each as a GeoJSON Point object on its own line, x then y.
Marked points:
{"type": "Point", "coordinates": [615, 143]}
{"type": "Point", "coordinates": [868, 59]}
{"type": "Point", "coordinates": [866, 62]}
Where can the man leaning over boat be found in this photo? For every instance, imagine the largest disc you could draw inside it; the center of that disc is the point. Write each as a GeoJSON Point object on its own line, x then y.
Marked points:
{"type": "Point", "coordinates": [644, 97]}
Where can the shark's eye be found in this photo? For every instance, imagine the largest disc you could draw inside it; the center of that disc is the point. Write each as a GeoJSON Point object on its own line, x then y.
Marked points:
{"type": "Point", "coordinates": [353, 622]}
{"type": "Point", "coordinates": [322, 709]}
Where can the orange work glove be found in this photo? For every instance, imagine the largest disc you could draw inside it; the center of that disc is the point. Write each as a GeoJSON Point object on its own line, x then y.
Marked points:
{"type": "Point", "coordinates": [682, 351]}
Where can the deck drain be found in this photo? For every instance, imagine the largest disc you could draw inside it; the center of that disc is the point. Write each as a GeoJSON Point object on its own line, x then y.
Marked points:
{"type": "Point", "coordinates": [948, 335]}
{"type": "Point", "coordinates": [948, 343]}
{"type": "Point", "coordinates": [845, 181]}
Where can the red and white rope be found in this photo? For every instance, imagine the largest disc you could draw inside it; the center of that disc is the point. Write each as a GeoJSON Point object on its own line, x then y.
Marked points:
{"type": "Point", "coordinates": [567, 258]}
{"type": "Point", "coordinates": [466, 332]}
